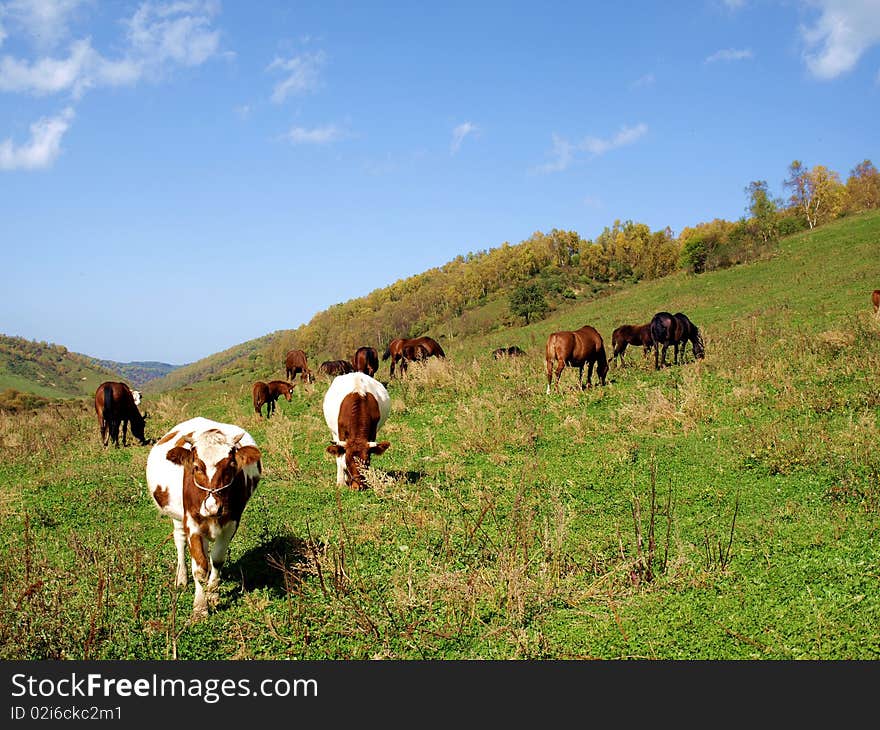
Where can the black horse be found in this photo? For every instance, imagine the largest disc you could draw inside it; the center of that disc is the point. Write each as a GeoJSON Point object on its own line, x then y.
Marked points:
{"type": "Point", "coordinates": [676, 330]}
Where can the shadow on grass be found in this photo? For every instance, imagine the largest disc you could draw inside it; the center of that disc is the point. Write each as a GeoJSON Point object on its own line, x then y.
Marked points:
{"type": "Point", "coordinates": [268, 564]}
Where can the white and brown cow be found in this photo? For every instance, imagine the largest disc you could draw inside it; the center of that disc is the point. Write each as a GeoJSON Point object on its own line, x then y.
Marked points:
{"type": "Point", "coordinates": [355, 407]}
{"type": "Point", "coordinates": [201, 474]}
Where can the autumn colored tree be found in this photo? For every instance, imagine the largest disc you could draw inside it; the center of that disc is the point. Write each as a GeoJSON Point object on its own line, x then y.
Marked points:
{"type": "Point", "coordinates": [863, 188]}
{"type": "Point", "coordinates": [818, 194]}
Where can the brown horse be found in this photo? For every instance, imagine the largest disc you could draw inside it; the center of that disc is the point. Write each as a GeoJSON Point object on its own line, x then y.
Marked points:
{"type": "Point", "coordinates": [295, 362]}
{"type": "Point", "coordinates": [366, 360]}
{"type": "Point", "coordinates": [875, 300]}
{"type": "Point", "coordinates": [267, 393]}
{"type": "Point", "coordinates": [115, 406]}
{"type": "Point", "coordinates": [576, 348]}
{"type": "Point", "coordinates": [638, 335]}
{"type": "Point", "coordinates": [676, 330]}
{"type": "Point", "coordinates": [504, 352]}
{"type": "Point", "coordinates": [335, 367]}
{"type": "Point", "coordinates": [402, 350]}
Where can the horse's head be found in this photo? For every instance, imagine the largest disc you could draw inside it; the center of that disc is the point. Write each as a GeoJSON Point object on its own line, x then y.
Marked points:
{"type": "Point", "coordinates": [699, 347]}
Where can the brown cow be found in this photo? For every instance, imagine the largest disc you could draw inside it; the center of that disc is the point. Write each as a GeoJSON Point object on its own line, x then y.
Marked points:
{"type": "Point", "coordinates": [577, 348]}
{"type": "Point", "coordinates": [355, 407]}
{"type": "Point", "coordinates": [335, 367]}
{"type": "Point", "coordinates": [202, 474]}
{"type": "Point", "coordinates": [267, 393]}
{"type": "Point", "coordinates": [115, 405]}
{"type": "Point", "coordinates": [875, 300]}
{"type": "Point", "coordinates": [295, 362]}
{"type": "Point", "coordinates": [419, 348]}
{"type": "Point", "coordinates": [366, 360]}
{"type": "Point", "coordinates": [638, 335]}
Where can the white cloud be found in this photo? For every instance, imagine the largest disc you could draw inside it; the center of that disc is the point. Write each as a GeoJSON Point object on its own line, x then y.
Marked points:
{"type": "Point", "coordinates": [646, 80]}
{"type": "Point", "coordinates": [43, 147]}
{"type": "Point", "coordinates": [734, 4]}
{"type": "Point", "coordinates": [565, 152]}
{"type": "Point", "coordinates": [730, 54]}
{"type": "Point", "coordinates": [459, 133]}
{"type": "Point", "coordinates": [44, 21]}
{"type": "Point", "coordinates": [843, 32]}
{"type": "Point", "coordinates": [302, 74]}
{"type": "Point", "coordinates": [159, 35]}
{"type": "Point", "coordinates": [180, 32]}
{"type": "Point", "coordinates": [317, 135]}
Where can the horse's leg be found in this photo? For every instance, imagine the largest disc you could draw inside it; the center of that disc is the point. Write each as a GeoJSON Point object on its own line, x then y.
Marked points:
{"type": "Point", "coordinates": [581, 376]}
{"type": "Point", "coordinates": [560, 366]}
{"type": "Point", "coordinates": [663, 354]}
{"type": "Point", "coordinates": [590, 374]}
{"type": "Point", "coordinates": [549, 368]}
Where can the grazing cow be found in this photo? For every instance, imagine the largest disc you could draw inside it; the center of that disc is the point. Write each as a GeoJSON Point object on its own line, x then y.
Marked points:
{"type": "Point", "coordinates": [335, 367]}
{"type": "Point", "coordinates": [366, 360]}
{"type": "Point", "coordinates": [201, 474]}
{"type": "Point", "coordinates": [638, 335]}
{"type": "Point", "coordinates": [355, 407]}
{"type": "Point", "coordinates": [577, 348]}
{"type": "Point", "coordinates": [503, 352]}
{"type": "Point", "coordinates": [115, 405]}
{"type": "Point", "coordinates": [397, 352]}
{"type": "Point", "coordinates": [267, 393]}
{"type": "Point", "coordinates": [676, 330]}
{"type": "Point", "coordinates": [875, 300]}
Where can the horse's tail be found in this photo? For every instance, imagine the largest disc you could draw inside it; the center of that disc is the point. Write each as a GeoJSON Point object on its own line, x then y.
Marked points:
{"type": "Point", "coordinates": [108, 402]}
{"type": "Point", "coordinates": [387, 353]}
{"type": "Point", "coordinates": [699, 345]}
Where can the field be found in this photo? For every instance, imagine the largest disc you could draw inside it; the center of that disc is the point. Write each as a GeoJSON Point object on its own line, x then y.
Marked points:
{"type": "Point", "coordinates": [721, 509]}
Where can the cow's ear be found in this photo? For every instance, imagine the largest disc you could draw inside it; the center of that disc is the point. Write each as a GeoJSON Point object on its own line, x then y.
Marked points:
{"type": "Point", "coordinates": [179, 455]}
{"type": "Point", "coordinates": [245, 455]}
{"type": "Point", "coordinates": [335, 449]}
{"type": "Point", "coordinates": [380, 448]}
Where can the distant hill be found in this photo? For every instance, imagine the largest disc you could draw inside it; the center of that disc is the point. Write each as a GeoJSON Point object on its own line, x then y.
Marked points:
{"type": "Point", "coordinates": [48, 370]}
{"type": "Point", "coordinates": [138, 374]}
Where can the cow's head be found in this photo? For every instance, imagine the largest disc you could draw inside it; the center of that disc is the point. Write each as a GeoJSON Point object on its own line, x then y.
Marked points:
{"type": "Point", "coordinates": [211, 464]}
{"type": "Point", "coordinates": [357, 454]}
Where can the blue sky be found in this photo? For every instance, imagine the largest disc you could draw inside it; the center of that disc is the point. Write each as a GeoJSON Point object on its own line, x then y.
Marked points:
{"type": "Point", "coordinates": [180, 177]}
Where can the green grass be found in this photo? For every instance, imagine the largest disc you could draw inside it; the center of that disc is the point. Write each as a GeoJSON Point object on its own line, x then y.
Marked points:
{"type": "Point", "coordinates": [500, 523]}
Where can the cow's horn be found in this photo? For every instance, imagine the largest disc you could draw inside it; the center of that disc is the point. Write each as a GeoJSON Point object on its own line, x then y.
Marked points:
{"type": "Point", "coordinates": [342, 443]}
{"type": "Point", "coordinates": [237, 439]}
{"type": "Point", "coordinates": [372, 444]}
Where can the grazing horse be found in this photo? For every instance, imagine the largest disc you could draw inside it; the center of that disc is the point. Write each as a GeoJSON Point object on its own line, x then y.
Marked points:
{"type": "Point", "coordinates": [512, 351]}
{"type": "Point", "coordinates": [875, 300]}
{"type": "Point", "coordinates": [267, 393]}
{"type": "Point", "coordinates": [366, 360]}
{"type": "Point", "coordinates": [402, 349]}
{"type": "Point", "coordinates": [577, 348]}
{"type": "Point", "coordinates": [676, 330]}
{"type": "Point", "coordinates": [335, 367]}
{"type": "Point", "coordinates": [115, 406]}
{"type": "Point", "coordinates": [295, 362]}
{"type": "Point", "coordinates": [638, 335]}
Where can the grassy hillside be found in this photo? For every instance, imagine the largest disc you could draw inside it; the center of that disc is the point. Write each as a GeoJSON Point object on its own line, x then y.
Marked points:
{"type": "Point", "coordinates": [48, 370]}
{"type": "Point", "coordinates": [725, 509]}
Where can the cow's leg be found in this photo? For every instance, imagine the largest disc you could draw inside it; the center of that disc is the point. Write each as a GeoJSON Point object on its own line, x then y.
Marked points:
{"type": "Point", "coordinates": [218, 557]}
{"type": "Point", "coordinates": [340, 470]}
{"type": "Point", "coordinates": [180, 544]}
{"type": "Point", "coordinates": [198, 552]}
